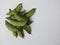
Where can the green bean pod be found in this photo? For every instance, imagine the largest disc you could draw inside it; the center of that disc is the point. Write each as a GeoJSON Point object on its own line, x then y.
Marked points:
{"type": "Point", "coordinates": [10, 26]}
{"type": "Point", "coordinates": [20, 33]}
{"type": "Point", "coordinates": [27, 29]}
{"type": "Point", "coordinates": [30, 13]}
{"type": "Point", "coordinates": [17, 23]}
{"type": "Point", "coordinates": [19, 7]}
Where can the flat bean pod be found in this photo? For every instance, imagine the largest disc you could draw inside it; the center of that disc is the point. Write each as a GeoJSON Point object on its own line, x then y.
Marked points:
{"type": "Point", "coordinates": [10, 26]}
{"type": "Point", "coordinates": [27, 29]}
{"type": "Point", "coordinates": [17, 23]}
{"type": "Point", "coordinates": [30, 13]}
{"type": "Point", "coordinates": [20, 33]}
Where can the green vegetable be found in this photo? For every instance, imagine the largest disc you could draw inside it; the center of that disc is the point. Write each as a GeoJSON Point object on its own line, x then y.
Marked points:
{"type": "Point", "coordinates": [27, 28]}
{"type": "Point", "coordinates": [19, 20]}
{"type": "Point", "coordinates": [20, 33]}
{"type": "Point", "coordinates": [19, 7]}
{"type": "Point", "coordinates": [30, 13]}
{"type": "Point", "coordinates": [10, 26]}
{"type": "Point", "coordinates": [17, 23]}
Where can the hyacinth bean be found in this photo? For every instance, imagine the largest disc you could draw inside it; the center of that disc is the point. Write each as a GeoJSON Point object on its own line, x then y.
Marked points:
{"type": "Point", "coordinates": [30, 13]}
{"type": "Point", "coordinates": [17, 23]}
{"type": "Point", "coordinates": [19, 7]}
{"type": "Point", "coordinates": [20, 33]}
{"type": "Point", "coordinates": [19, 20]}
{"type": "Point", "coordinates": [27, 28]}
{"type": "Point", "coordinates": [10, 26]}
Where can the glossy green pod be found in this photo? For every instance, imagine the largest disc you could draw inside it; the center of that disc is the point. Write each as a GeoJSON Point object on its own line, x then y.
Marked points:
{"type": "Point", "coordinates": [15, 33]}
{"type": "Point", "coordinates": [19, 7]}
{"type": "Point", "coordinates": [20, 33]}
{"type": "Point", "coordinates": [17, 23]}
{"type": "Point", "coordinates": [27, 29]}
{"type": "Point", "coordinates": [10, 26]}
{"type": "Point", "coordinates": [19, 20]}
{"type": "Point", "coordinates": [30, 13]}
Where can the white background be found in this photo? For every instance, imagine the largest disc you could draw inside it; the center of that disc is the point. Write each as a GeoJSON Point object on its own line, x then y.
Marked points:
{"type": "Point", "coordinates": [45, 28]}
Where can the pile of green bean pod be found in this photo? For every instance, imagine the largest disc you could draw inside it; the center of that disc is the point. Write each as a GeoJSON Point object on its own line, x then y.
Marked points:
{"type": "Point", "coordinates": [19, 20]}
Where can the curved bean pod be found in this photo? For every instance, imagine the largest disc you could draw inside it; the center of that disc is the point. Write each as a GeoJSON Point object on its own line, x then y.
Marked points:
{"type": "Point", "coordinates": [30, 13]}
{"type": "Point", "coordinates": [27, 28]}
{"type": "Point", "coordinates": [10, 26]}
{"type": "Point", "coordinates": [17, 23]}
{"type": "Point", "coordinates": [20, 33]}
